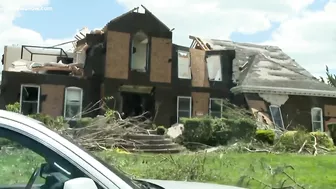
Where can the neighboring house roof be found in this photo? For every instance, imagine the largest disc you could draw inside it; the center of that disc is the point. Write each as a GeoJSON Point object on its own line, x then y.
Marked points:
{"type": "Point", "coordinates": [265, 69]}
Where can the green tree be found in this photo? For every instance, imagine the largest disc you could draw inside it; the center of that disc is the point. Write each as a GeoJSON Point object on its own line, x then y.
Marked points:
{"type": "Point", "coordinates": [331, 78]}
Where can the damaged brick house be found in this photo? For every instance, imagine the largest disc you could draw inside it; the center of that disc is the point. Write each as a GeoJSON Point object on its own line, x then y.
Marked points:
{"type": "Point", "coordinates": [275, 87]}
{"type": "Point", "coordinates": [132, 59]}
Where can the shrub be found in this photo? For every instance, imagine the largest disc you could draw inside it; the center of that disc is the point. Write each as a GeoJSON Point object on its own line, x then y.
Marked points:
{"type": "Point", "coordinates": [243, 128]}
{"type": "Point", "coordinates": [13, 107]}
{"type": "Point", "coordinates": [161, 130]}
{"type": "Point", "coordinates": [221, 133]}
{"type": "Point", "coordinates": [292, 141]}
{"type": "Point", "coordinates": [197, 130]}
{"type": "Point", "coordinates": [52, 123]}
{"type": "Point", "coordinates": [332, 130]}
{"type": "Point", "coordinates": [265, 136]}
{"type": "Point", "coordinates": [323, 139]}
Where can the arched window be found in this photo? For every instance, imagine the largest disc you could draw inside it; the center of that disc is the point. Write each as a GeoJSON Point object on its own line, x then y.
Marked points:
{"type": "Point", "coordinates": [317, 119]}
{"type": "Point", "coordinates": [73, 99]}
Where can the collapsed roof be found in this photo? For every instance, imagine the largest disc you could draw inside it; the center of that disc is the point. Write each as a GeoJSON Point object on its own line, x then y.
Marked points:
{"type": "Point", "coordinates": [258, 68]}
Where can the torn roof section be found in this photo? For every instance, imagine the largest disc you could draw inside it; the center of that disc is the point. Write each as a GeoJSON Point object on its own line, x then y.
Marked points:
{"type": "Point", "coordinates": [265, 69]}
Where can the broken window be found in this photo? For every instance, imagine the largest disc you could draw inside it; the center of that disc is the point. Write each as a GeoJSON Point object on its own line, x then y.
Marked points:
{"type": "Point", "coordinates": [140, 52]}
{"type": "Point", "coordinates": [183, 62]}
{"type": "Point", "coordinates": [183, 107]}
{"type": "Point", "coordinates": [276, 115]}
{"type": "Point", "coordinates": [216, 107]}
{"type": "Point", "coordinates": [73, 103]}
{"type": "Point", "coordinates": [214, 67]}
{"type": "Point", "coordinates": [317, 119]}
{"type": "Point", "coordinates": [29, 99]}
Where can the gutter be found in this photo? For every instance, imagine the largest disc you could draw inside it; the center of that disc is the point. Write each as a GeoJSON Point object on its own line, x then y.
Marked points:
{"type": "Point", "coordinates": [283, 90]}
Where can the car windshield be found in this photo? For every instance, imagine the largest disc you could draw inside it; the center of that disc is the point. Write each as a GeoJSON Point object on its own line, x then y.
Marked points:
{"type": "Point", "coordinates": [133, 183]}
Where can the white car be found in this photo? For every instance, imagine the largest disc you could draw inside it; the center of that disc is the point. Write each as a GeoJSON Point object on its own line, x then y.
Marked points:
{"type": "Point", "coordinates": [68, 166]}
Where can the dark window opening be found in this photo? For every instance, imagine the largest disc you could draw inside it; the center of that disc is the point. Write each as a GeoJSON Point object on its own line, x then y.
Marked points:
{"type": "Point", "coordinates": [135, 104]}
{"type": "Point", "coordinates": [30, 99]}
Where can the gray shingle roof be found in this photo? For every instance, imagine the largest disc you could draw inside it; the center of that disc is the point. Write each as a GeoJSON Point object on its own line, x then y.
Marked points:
{"type": "Point", "coordinates": [267, 66]}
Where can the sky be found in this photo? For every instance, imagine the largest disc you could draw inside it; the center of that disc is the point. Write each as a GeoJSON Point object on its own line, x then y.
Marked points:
{"type": "Point", "coordinates": [304, 29]}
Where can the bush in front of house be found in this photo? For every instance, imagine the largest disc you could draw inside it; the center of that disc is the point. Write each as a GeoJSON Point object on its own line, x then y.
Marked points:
{"type": "Point", "coordinates": [161, 130]}
{"type": "Point", "coordinates": [51, 122]}
{"type": "Point", "coordinates": [292, 141]}
{"type": "Point", "coordinates": [265, 136]}
{"type": "Point", "coordinates": [197, 130]}
{"type": "Point", "coordinates": [323, 139]}
{"type": "Point", "coordinates": [217, 131]}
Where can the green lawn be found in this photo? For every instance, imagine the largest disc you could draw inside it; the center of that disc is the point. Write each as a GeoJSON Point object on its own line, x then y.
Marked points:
{"type": "Point", "coordinates": [312, 172]}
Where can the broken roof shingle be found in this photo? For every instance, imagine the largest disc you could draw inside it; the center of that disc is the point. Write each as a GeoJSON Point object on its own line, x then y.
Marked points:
{"type": "Point", "coordinates": [266, 66]}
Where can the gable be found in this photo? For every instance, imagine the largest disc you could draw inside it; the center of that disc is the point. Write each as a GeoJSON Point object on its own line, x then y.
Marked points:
{"type": "Point", "coordinates": [133, 21]}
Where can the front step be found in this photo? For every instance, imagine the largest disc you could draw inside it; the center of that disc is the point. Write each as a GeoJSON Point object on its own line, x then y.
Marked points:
{"type": "Point", "coordinates": [145, 137]}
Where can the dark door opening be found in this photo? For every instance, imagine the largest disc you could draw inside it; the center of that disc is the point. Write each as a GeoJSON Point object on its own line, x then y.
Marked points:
{"type": "Point", "coordinates": [135, 104]}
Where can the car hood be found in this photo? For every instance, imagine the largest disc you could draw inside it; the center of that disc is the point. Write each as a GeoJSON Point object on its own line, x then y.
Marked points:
{"type": "Point", "coordinates": [167, 184]}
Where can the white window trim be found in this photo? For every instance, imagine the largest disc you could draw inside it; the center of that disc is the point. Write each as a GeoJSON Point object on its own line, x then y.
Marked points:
{"type": "Point", "coordinates": [65, 102]}
{"type": "Point", "coordinates": [210, 105]}
{"type": "Point", "coordinates": [283, 125]}
{"type": "Point", "coordinates": [38, 97]}
{"type": "Point", "coordinates": [189, 77]}
{"type": "Point", "coordinates": [321, 115]}
{"type": "Point", "coordinates": [221, 68]}
{"type": "Point", "coordinates": [177, 107]}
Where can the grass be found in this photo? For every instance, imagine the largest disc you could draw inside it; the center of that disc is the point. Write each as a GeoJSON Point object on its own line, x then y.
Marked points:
{"type": "Point", "coordinates": [312, 172]}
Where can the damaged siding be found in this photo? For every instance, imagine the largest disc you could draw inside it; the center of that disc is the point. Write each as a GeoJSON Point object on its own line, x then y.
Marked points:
{"type": "Point", "coordinates": [200, 103]}
{"type": "Point", "coordinates": [117, 55]}
{"type": "Point", "coordinates": [54, 96]}
{"type": "Point", "coordinates": [198, 68]}
{"type": "Point", "coordinates": [161, 55]}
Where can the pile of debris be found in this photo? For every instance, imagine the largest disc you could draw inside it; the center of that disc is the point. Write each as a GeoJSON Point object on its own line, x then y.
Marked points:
{"type": "Point", "coordinates": [103, 132]}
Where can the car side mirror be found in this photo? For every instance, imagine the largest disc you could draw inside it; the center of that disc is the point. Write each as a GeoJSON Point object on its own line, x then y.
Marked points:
{"type": "Point", "coordinates": [82, 183]}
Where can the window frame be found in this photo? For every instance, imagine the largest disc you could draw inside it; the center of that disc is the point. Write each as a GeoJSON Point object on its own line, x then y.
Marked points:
{"type": "Point", "coordinates": [65, 102]}
{"type": "Point", "coordinates": [220, 65]}
{"type": "Point", "coordinates": [221, 110]}
{"type": "Point", "coordinates": [178, 67]}
{"type": "Point", "coordinates": [147, 53]}
{"type": "Point", "coordinates": [321, 116]}
{"type": "Point", "coordinates": [282, 122]}
{"type": "Point", "coordinates": [177, 107]}
{"type": "Point", "coordinates": [38, 96]}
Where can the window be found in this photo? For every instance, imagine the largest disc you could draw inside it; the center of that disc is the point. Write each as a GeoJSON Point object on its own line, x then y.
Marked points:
{"type": "Point", "coordinates": [183, 62]}
{"type": "Point", "coordinates": [214, 67]}
{"type": "Point", "coordinates": [317, 119]}
{"type": "Point", "coordinates": [183, 107]}
{"type": "Point", "coordinates": [30, 99]}
{"type": "Point", "coordinates": [29, 156]}
{"type": "Point", "coordinates": [73, 103]}
{"type": "Point", "coordinates": [216, 107]}
{"type": "Point", "coordinates": [140, 51]}
{"type": "Point", "coordinates": [276, 116]}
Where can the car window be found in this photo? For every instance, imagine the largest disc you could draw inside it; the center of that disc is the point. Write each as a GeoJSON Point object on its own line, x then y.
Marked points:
{"type": "Point", "coordinates": [17, 163]}
{"type": "Point", "coordinates": [21, 156]}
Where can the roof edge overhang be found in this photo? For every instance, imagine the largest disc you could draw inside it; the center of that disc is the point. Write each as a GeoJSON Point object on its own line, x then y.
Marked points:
{"type": "Point", "coordinates": [283, 90]}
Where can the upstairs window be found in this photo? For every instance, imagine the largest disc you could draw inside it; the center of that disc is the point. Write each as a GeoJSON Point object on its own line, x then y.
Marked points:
{"type": "Point", "coordinates": [216, 107]}
{"type": "Point", "coordinates": [183, 62]}
{"type": "Point", "coordinates": [214, 67]}
{"type": "Point", "coordinates": [30, 99]}
{"type": "Point", "coordinates": [73, 103]}
{"type": "Point", "coordinates": [183, 107]}
{"type": "Point", "coordinates": [317, 119]}
{"type": "Point", "coordinates": [276, 115]}
{"type": "Point", "coordinates": [140, 52]}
